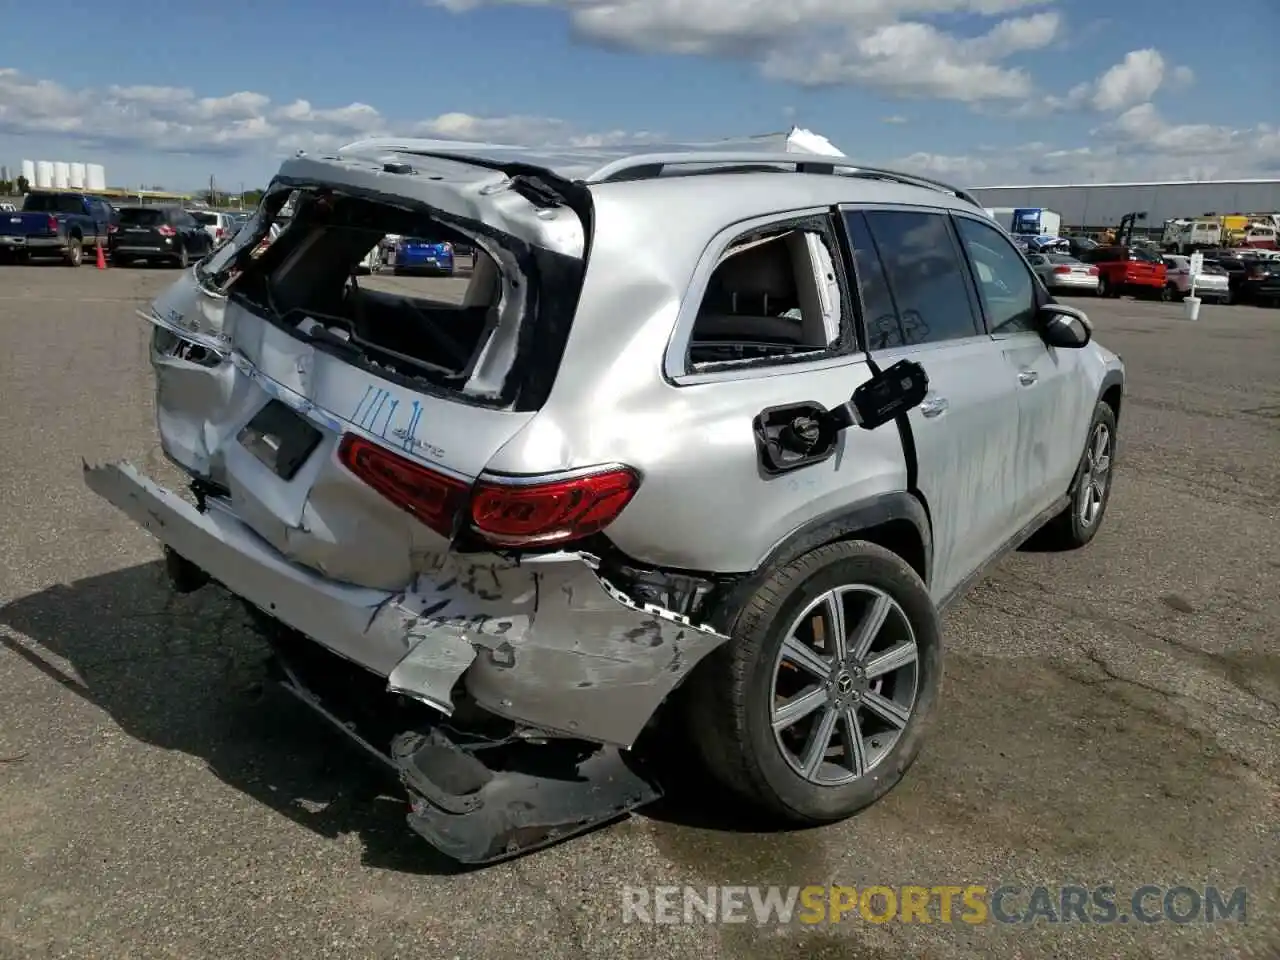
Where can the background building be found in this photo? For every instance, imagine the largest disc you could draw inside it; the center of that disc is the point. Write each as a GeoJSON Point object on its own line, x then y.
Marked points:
{"type": "Point", "coordinates": [1097, 205]}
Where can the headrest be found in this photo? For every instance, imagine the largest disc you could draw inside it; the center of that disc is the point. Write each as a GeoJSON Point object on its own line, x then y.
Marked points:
{"type": "Point", "coordinates": [758, 281]}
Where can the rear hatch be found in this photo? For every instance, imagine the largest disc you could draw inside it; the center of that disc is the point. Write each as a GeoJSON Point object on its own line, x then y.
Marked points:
{"type": "Point", "coordinates": [143, 228]}
{"type": "Point", "coordinates": [270, 356]}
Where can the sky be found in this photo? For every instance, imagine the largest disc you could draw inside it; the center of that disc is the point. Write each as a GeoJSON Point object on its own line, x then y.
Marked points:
{"type": "Point", "coordinates": [977, 92]}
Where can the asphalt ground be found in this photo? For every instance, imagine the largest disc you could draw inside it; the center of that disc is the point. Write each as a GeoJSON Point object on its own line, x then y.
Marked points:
{"type": "Point", "coordinates": [1108, 716]}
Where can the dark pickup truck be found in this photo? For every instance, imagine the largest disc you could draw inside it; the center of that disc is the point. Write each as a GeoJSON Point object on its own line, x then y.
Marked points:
{"type": "Point", "coordinates": [56, 224]}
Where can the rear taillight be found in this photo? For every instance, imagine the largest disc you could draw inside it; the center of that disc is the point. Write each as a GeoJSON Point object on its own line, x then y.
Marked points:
{"type": "Point", "coordinates": [166, 231]}
{"type": "Point", "coordinates": [555, 511]}
{"type": "Point", "coordinates": [51, 224]}
{"type": "Point", "coordinates": [1093, 271]}
{"type": "Point", "coordinates": [218, 235]}
{"type": "Point", "coordinates": [447, 248]}
{"type": "Point", "coordinates": [431, 497]}
{"type": "Point", "coordinates": [1061, 269]}
{"type": "Point", "coordinates": [514, 513]}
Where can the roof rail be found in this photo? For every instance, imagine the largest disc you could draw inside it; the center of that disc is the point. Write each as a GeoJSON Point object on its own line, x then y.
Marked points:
{"type": "Point", "coordinates": [647, 165]}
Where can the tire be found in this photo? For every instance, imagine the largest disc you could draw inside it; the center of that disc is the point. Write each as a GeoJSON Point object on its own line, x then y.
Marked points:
{"type": "Point", "coordinates": [732, 694]}
{"type": "Point", "coordinates": [119, 261]}
{"type": "Point", "coordinates": [1104, 287]}
{"type": "Point", "coordinates": [1069, 530]}
{"type": "Point", "coordinates": [74, 254]}
{"type": "Point", "coordinates": [1167, 293]}
{"type": "Point", "coordinates": [183, 259]}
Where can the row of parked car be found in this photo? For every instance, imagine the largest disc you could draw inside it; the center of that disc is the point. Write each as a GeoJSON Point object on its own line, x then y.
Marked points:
{"type": "Point", "coordinates": [1082, 266]}
{"type": "Point", "coordinates": [67, 224]}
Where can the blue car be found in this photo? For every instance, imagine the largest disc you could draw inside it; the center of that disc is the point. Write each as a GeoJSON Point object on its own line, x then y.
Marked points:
{"type": "Point", "coordinates": [415, 255]}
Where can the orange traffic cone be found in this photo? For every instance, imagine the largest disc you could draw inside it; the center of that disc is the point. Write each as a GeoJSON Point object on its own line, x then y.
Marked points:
{"type": "Point", "coordinates": [102, 259]}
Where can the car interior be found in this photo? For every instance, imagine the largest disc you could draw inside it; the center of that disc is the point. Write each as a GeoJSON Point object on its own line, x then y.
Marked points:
{"type": "Point", "coordinates": [767, 297]}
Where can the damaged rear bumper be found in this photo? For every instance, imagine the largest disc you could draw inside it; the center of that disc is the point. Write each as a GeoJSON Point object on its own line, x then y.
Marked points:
{"type": "Point", "coordinates": [545, 642]}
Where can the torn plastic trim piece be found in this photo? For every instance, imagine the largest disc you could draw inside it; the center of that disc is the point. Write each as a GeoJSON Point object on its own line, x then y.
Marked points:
{"type": "Point", "coordinates": [517, 808]}
{"type": "Point", "coordinates": [218, 343]}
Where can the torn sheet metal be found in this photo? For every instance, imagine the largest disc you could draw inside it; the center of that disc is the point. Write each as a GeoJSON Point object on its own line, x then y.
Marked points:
{"type": "Point", "coordinates": [545, 642]}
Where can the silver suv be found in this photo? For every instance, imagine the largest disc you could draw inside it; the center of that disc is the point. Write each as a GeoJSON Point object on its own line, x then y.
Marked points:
{"type": "Point", "coordinates": [696, 455]}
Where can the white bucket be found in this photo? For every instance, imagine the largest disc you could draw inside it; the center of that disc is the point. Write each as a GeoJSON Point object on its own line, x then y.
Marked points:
{"type": "Point", "coordinates": [1193, 307]}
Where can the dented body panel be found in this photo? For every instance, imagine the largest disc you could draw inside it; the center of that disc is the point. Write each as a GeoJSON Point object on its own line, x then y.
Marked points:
{"type": "Point", "coordinates": [548, 643]}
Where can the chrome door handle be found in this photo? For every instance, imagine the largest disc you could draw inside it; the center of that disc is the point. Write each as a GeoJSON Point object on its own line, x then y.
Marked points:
{"type": "Point", "coordinates": [1027, 377]}
{"type": "Point", "coordinates": [932, 406]}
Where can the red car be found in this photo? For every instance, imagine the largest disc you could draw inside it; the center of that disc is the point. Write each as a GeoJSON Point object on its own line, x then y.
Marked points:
{"type": "Point", "coordinates": [1132, 270]}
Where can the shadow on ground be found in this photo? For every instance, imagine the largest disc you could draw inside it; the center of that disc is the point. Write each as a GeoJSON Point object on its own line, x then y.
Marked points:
{"type": "Point", "coordinates": [188, 673]}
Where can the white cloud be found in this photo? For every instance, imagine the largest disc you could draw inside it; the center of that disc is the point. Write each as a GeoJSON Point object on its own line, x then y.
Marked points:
{"type": "Point", "coordinates": [1134, 80]}
{"type": "Point", "coordinates": [884, 44]}
{"type": "Point", "coordinates": [1138, 145]}
{"type": "Point", "coordinates": [177, 120]}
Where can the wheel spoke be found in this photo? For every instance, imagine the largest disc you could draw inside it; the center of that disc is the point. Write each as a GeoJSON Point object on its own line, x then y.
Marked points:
{"type": "Point", "coordinates": [1101, 439]}
{"type": "Point", "coordinates": [816, 750]}
{"type": "Point", "coordinates": [833, 610]}
{"type": "Point", "coordinates": [798, 707]}
{"type": "Point", "coordinates": [855, 752]}
{"type": "Point", "coordinates": [869, 627]}
{"type": "Point", "coordinates": [805, 657]}
{"type": "Point", "coordinates": [887, 709]}
{"type": "Point", "coordinates": [895, 658]}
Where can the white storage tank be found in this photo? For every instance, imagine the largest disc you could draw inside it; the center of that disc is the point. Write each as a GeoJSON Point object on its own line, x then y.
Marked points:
{"type": "Point", "coordinates": [29, 171]}
{"type": "Point", "coordinates": [95, 177]}
{"type": "Point", "coordinates": [44, 174]}
{"type": "Point", "coordinates": [77, 176]}
{"type": "Point", "coordinates": [61, 174]}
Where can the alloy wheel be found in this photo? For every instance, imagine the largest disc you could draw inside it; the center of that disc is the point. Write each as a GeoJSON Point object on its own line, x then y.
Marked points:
{"type": "Point", "coordinates": [1097, 474]}
{"type": "Point", "coordinates": [844, 684]}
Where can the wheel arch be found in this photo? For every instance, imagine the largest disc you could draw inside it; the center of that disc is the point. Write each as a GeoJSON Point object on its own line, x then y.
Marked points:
{"type": "Point", "coordinates": [897, 521]}
{"type": "Point", "coordinates": [1111, 392]}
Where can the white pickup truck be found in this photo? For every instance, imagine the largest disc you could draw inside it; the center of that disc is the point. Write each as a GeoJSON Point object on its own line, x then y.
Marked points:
{"type": "Point", "coordinates": [1186, 236]}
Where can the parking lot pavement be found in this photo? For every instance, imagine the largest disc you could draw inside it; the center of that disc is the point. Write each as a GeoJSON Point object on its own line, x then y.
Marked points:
{"type": "Point", "coordinates": [1108, 716]}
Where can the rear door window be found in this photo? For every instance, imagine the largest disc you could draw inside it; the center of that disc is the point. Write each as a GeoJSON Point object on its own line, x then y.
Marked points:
{"type": "Point", "coordinates": [136, 217]}
{"type": "Point", "coordinates": [926, 276]}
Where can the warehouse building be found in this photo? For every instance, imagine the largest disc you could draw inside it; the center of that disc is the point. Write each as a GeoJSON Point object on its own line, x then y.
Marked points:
{"type": "Point", "coordinates": [1092, 206]}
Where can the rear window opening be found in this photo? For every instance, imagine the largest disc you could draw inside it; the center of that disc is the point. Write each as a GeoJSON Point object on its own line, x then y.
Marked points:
{"type": "Point", "coordinates": [135, 217]}
{"type": "Point", "coordinates": [770, 296]}
{"type": "Point", "coordinates": [326, 273]}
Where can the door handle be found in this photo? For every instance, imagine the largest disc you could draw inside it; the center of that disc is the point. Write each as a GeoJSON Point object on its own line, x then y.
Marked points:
{"type": "Point", "coordinates": [932, 406]}
{"type": "Point", "coordinates": [1027, 377]}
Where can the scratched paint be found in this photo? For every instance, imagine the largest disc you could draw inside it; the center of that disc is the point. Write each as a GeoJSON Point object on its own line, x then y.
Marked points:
{"type": "Point", "coordinates": [376, 413]}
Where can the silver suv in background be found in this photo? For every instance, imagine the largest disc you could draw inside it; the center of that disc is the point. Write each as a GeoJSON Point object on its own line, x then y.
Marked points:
{"type": "Point", "coordinates": [710, 438]}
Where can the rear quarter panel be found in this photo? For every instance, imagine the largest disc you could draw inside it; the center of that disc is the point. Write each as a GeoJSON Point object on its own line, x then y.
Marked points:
{"type": "Point", "coordinates": [704, 503]}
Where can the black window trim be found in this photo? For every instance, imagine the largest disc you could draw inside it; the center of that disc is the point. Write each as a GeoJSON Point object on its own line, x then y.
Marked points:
{"type": "Point", "coordinates": [975, 291]}
{"type": "Point", "coordinates": [975, 303]}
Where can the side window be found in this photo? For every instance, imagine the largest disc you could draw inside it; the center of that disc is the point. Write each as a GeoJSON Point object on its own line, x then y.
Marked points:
{"type": "Point", "coordinates": [772, 294]}
{"type": "Point", "coordinates": [1007, 287]}
{"type": "Point", "coordinates": [925, 274]}
{"type": "Point", "coordinates": [879, 317]}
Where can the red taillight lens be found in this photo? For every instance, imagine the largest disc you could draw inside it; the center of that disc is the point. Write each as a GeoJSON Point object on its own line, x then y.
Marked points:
{"type": "Point", "coordinates": [506, 514]}
{"type": "Point", "coordinates": [521, 514]}
{"type": "Point", "coordinates": [431, 497]}
{"type": "Point", "coordinates": [219, 234]}
{"type": "Point", "coordinates": [166, 231]}
{"type": "Point", "coordinates": [1093, 271]}
{"type": "Point", "coordinates": [1061, 269]}
{"type": "Point", "coordinates": [51, 224]}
